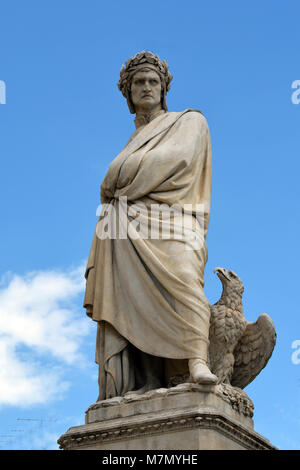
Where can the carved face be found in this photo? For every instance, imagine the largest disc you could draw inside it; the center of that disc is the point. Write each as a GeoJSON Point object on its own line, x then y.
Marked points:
{"type": "Point", "coordinates": [146, 91]}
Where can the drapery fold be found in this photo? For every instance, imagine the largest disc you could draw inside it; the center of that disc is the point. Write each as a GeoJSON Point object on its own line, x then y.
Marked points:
{"type": "Point", "coordinates": [145, 290]}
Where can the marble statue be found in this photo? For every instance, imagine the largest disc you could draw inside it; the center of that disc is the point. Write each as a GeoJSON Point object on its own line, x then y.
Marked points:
{"type": "Point", "coordinates": [238, 349]}
{"type": "Point", "coordinates": [146, 293]}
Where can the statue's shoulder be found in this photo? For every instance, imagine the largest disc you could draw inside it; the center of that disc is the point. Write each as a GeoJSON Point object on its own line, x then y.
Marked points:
{"type": "Point", "coordinates": [190, 115]}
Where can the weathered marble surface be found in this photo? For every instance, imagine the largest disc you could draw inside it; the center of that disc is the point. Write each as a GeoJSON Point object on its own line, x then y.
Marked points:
{"type": "Point", "coordinates": [147, 304]}
{"type": "Point", "coordinates": [188, 416]}
{"type": "Point", "coordinates": [156, 328]}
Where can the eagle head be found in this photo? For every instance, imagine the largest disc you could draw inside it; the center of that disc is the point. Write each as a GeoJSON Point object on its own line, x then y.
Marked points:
{"type": "Point", "coordinates": [232, 286]}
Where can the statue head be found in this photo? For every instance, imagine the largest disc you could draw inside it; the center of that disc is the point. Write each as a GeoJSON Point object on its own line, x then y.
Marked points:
{"type": "Point", "coordinates": [146, 64]}
{"type": "Point", "coordinates": [232, 287]}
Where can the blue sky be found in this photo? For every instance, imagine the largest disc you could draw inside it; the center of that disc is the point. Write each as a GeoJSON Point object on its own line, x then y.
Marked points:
{"type": "Point", "coordinates": [64, 121]}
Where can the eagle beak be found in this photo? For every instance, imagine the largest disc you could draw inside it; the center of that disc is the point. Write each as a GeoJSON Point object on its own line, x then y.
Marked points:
{"type": "Point", "coordinates": [221, 272]}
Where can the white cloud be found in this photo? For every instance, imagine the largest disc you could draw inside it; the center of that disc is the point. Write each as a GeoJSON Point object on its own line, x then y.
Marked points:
{"type": "Point", "coordinates": [41, 321]}
{"type": "Point", "coordinates": [26, 383]}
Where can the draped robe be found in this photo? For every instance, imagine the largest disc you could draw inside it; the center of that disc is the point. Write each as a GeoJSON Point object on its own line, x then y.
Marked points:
{"type": "Point", "coordinates": [145, 292]}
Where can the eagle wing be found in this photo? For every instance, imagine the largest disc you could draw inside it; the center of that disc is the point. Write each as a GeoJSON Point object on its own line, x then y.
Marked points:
{"type": "Point", "coordinates": [253, 350]}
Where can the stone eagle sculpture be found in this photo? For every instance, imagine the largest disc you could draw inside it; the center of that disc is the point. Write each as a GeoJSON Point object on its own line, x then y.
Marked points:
{"type": "Point", "coordinates": [239, 349]}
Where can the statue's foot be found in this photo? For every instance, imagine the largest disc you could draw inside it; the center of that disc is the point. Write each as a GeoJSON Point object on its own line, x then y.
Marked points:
{"type": "Point", "coordinates": [200, 373]}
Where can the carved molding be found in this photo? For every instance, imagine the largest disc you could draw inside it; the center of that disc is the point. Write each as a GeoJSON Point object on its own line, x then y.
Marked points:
{"type": "Point", "coordinates": [147, 423]}
{"type": "Point", "coordinates": [217, 422]}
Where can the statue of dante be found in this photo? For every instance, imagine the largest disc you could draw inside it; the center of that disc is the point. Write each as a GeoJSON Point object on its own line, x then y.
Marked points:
{"type": "Point", "coordinates": [146, 293]}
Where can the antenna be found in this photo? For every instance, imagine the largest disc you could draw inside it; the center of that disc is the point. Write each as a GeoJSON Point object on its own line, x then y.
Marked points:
{"type": "Point", "coordinates": [41, 422]}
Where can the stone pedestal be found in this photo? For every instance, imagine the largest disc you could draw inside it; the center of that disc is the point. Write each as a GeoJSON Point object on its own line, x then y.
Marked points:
{"type": "Point", "coordinates": [185, 417]}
